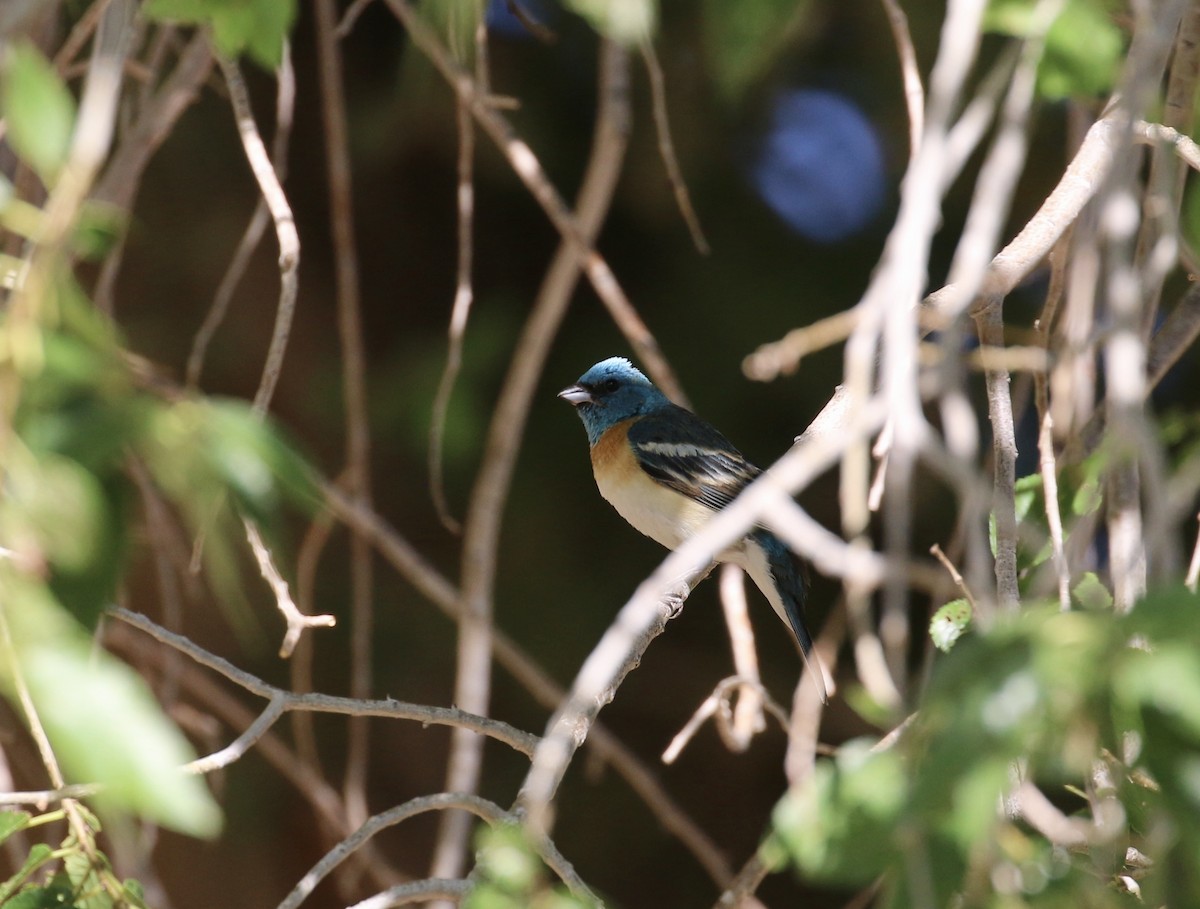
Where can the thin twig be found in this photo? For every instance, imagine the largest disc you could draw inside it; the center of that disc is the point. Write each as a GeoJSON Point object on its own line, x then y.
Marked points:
{"type": "Point", "coordinates": [783, 357]}
{"type": "Point", "coordinates": [80, 33]}
{"type": "Point", "coordinates": [285, 104]}
{"type": "Point", "coordinates": [487, 811]}
{"type": "Point", "coordinates": [300, 671]}
{"type": "Point", "coordinates": [804, 724]}
{"type": "Point", "coordinates": [738, 895]}
{"type": "Point", "coordinates": [417, 892]}
{"type": "Point", "coordinates": [1193, 573]}
{"type": "Point", "coordinates": [42, 798]}
{"type": "Point", "coordinates": [324, 703]}
{"type": "Point", "coordinates": [548, 693]}
{"type": "Point", "coordinates": [747, 716]}
{"type": "Point", "coordinates": [350, 17]}
{"type": "Point", "coordinates": [296, 621]}
{"type": "Point", "coordinates": [619, 651]}
{"type": "Point", "coordinates": [464, 295]}
{"type": "Point", "coordinates": [489, 495]}
{"type": "Point", "coordinates": [527, 167]}
{"type": "Point", "coordinates": [464, 291]}
{"type": "Point", "coordinates": [954, 573]}
{"type": "Point", "coordinates": [1125, 349]}
{"type": "Point", "coordinates": [304, 777]}
{"type": "Point", "coordinates": [990, 324]}
{"type": "Point", "coordinates": [285, 229]}
{"type": "Point", "coordinates": [717, 705]}
{"type": "Point", "coordinates": [910, 73]}
{"type": "Point", "coordinates": [1046, 457]}
{"type": "Point", "coordinates": [238, 748]}
{"type": "Point", "coordinates": [1173, 339]}
{"type": "Point", "coordinates": [1033, 242]}
{"type": "Point", "coordinates": [1158, 243]}
{"type": "Point", "coordinates": [354, 392]}
{"type": "Point", "coordinates": [666, 148]}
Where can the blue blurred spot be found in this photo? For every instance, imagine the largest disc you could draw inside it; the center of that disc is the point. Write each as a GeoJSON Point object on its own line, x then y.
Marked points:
{"type": "Point", "coordinates": [502, 23]}
{"type": "Point", "coordinates": [820, 165]}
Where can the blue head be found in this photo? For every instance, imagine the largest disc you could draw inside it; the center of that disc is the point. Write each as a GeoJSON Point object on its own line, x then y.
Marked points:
{"type": "Point", "coordinates": [611, 391]}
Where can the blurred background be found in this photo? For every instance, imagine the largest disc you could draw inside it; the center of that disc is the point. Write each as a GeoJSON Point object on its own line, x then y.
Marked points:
{"type": "Point", "coordinates": [792, 147]}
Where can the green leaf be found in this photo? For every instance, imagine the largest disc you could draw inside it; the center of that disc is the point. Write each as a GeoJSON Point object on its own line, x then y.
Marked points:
{"type": "Point", "coordinates": [1090, 593]}
{"type": "Point", "coordinates": [39, 854]}
{"type": "Point", "coordinates": [203, 450]}
{"type": "Point", "coordinates": [506, 859]}
{"type": "Point", "coordinates": [38, 110]}
{"type": "Point", "coordinates": [949, 624]}
{"type": "Point", "coordinates": [57, 513]}
{"type": "Point", "coordinates": [839, 828]}
{"type": "Point", "coordinates": [744, 39]}
{"type": "Point", "coordinates": [456, 21]}
{"type": "Point", "coordinates": [12, 821]}
{"type": "Point", "coordinates": [974, 798]}
{"type": "Point", "coordinates": [257, 28]}
{"type": "Point", "coordinates": [102, 720]}
{"type": "Point", "coordinates": [627, 22]}
{"type": "Point", "coordinates": [55, 895]}
{"type": "Point", "coordinates": [1083, 50]}
{"type": "Point", "coordinates": [85, 881]}
{"type": "Point", "coordinates": [99, 228]}
{"type": "Point", "coordinates": [1167, 681]}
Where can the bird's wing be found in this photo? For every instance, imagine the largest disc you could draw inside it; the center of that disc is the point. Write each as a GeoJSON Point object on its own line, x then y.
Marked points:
{"type": "Point", "coordinates": [679, 450]}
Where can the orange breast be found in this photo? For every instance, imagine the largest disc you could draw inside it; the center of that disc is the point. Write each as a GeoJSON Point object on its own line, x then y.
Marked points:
{"type": "Point", "coordinates": [657, 511]}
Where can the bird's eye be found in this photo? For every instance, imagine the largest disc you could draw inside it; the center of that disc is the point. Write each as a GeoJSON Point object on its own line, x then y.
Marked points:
{"type": "Point", "coordinates": [610, 386]}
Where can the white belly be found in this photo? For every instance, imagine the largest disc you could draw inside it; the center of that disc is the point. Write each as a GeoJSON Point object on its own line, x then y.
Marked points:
{"type": "Point", "coordinates": [660, 513]}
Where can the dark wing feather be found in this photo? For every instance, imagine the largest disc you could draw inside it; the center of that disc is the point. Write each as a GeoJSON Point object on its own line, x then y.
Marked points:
{"type": "Point", "coordinates": [679, 450]}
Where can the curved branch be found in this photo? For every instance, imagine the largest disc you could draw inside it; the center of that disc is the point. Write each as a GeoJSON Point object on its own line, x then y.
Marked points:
{"type": "Point", "coordinates": [325, 703]}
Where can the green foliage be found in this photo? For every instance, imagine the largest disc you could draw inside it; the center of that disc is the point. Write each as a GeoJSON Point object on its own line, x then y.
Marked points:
{"type": "Point", "coordinates": [1051, 692]}
{"type": "Point", "coordinates": [1079, 496]}
{"type": "Point", "coordinates": [743, 40]}
{"type": "Point", "coordinates": [1084, 46]}
{"type": "Point", "coordinates": [256, 28]}
{"type": "Point", "coordinates": [625, 21]}
{"type": "Point", "coordinates": [71, 877]}
{"type": "Point", "coordinates": [949, 624]}
{"type": "Point", "coordinates": [510, 875]}
{"type": "Point", "coordinates": [1090, 593]}
{"type": "Point", "coordinates": [38, 110]}
{"type": "Point", "coordinates": [457, 21]}
{"type": "Point", "coordinates": [102, 720]}
{"type": "Point", "coordinates": [82, 417]}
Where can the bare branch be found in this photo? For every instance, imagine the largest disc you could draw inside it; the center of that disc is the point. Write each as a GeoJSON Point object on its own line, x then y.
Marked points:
{"type": "Point", "coordinates": [324, 703]}
{"type": "Point", "coordinates": [354, 391]}
{"type": "Point", "coordinates": [487, 811]}
{"type": "Point", "coordinates": [285, 103]}
{"type": "Point", "coordinates": [1033, 242]}
{"type": "Point", "coordinates": [417, 892]}
{"type": "Point", "coordinates": [285, 229]}
{"type": "Point", "coordinates": [506, 430]}
{"type": "Point", "coordinates": [297, 622]}
{"type": "Point", "coordinates": [666, 148]}
{"type": "Point", "coordinates": [910, 73]}
{"type": "Point", "coordinates": [527, 167]}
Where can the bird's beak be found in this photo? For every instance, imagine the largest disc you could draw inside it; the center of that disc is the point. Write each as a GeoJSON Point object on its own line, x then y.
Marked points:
{"type": "Point", "coordinates": [576, 395]}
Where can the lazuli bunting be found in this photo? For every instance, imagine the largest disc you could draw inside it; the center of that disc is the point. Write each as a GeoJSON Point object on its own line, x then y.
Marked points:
{"type": "Point", "coordinates": [666, 472]}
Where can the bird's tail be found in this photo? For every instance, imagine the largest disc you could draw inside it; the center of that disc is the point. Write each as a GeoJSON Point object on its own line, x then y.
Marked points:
{"type": "Point", "coordinates": [791, 585]}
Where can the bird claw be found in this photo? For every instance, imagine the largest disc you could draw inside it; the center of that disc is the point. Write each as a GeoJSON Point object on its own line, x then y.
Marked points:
{"type": "Point", "coordinates": [673, 602]}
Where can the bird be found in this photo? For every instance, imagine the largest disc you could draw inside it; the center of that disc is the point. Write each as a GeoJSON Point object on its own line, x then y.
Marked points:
{"type": "Point", "coordinates": [667, 472]}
